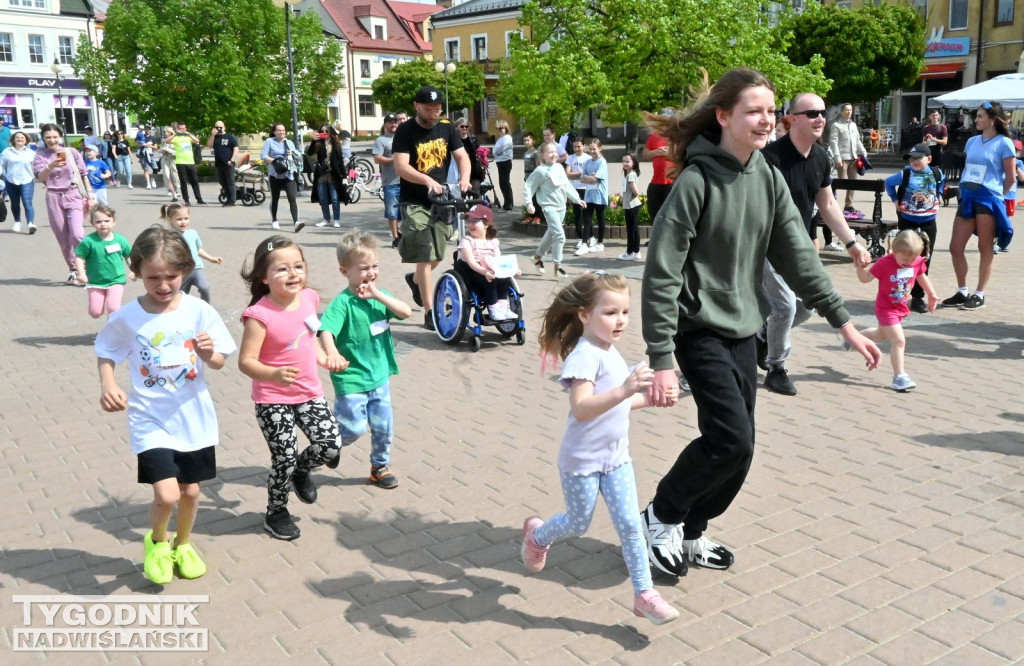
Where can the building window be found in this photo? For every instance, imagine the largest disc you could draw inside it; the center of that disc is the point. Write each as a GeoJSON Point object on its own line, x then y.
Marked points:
{"type": "Point", "coordinates": [1004, 12]}
{"type": "Point", "coordinates": [364, 69]}
{"type": "Point", "coordinates": [451, 49]}
{"type": "Point", "coordinates": [35, 49]}
{"type": "Point", "coordinates": [508, 39]}
{"type": "Point", "coordinates": [921, 6]}
{"type": "Point", "coordinates": [6, 52]}
{"type": "Point", "coordinates": [480, 48]}
{"type": "Point", "coordinates": [29, 4]}
{"type": "Point", "coordinates": [378, 32]}
{"type": "Point", "coordinates": [844, 4]}
{"type": "Point", "coordinates": [386, 65]}
{"type": "Point", "coordinates": [366, 107]}
{"type": "Point", "coordinates": [958, 14]}
{"type": "Point", "coordinates": [65, 50]}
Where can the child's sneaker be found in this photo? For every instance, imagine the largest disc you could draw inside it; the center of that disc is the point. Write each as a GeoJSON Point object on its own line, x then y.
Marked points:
{"type": "Point", "coordinates": [651, 605]}
{"type": "Point", "coordinates": [190, 565]}
{"type": "Point", "coordinates": [539, 263]}
{"type": "Point", "coordinates": [305, 489]}
{"type": "Point", "coordinates": [704, 552]}
{"type": "Point", "coordinates": [560, 272]}
{"type": "Point", "coordinates": [597, 247]}
{"type": "Point", "coordinates": [902, 383]}
{"type": "Point", "coordinates": [534, 556]}
{"type": "Point", "coordinates": [159, 564]}
{"type": "Point", "coordinates": [383, 477]}
{"type": "Point", "coordinates": [279, 524]}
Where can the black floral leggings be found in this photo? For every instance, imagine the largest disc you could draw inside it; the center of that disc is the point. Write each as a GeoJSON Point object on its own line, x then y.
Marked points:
{"type": "Point", "coordinates": [278, 425]}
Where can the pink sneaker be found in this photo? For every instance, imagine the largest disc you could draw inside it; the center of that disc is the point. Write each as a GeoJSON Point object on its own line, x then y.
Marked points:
{"type": "Point", "coordinates": [533, 555]}
{"type": "Point", "coordinates": [649, 604]}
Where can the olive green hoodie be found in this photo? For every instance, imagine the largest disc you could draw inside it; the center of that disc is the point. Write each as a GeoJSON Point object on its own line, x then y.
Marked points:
{"type": "Point", "coordinates": [706, 273]}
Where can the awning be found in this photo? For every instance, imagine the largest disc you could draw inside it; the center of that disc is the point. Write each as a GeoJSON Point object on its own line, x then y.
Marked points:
{"type": "Point", "coordinates": [943, 70]}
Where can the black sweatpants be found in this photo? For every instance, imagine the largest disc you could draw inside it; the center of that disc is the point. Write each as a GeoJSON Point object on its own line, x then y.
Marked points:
{"type": "Point", "coordinates": [188, 175]}
{"type": "Point", "coordinates": [710, 471]}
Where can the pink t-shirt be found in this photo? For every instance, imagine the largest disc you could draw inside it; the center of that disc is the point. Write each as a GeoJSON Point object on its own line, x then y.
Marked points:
{"type": "Point", "coordinates": [894, 285]}
{"type": "Point", "coordinates": [291, 341]}
{"type": "Point", "coordinates": [484, 251]}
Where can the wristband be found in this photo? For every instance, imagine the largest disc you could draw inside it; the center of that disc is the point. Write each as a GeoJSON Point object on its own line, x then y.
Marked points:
{"type": "Point", "coordinates": [851, 243]}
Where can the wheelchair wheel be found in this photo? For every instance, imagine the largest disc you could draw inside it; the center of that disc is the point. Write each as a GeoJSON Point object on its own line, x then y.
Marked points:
{"type": "Point", "coordinates": [474, 344]}
{"type": "Point", "coordinates": [248, 199]}
{"type": "Point", "coordinates": [222, 198]}
{"type": "Point", "coordinates": [512, 327]}
{"type": "Point", "coordinates": [260, 196]}
{"type": "Point", "coordinates": [451, 307]}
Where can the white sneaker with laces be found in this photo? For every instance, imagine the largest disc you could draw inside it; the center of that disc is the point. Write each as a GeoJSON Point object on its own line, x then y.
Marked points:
{"type": "Point", "coordinates": [322, 223]}
{"type": "Point", "coordinates": [592, 242]}
{"type": "Point", "coordinates": [625, 256]}
{"type": "Point", "coordinates": [834, 247]}
{"type": "Point", "coordinates": [597, 247]}
{"type": "Point", "coordinates": [17, 227]}
{"type": "Point", "coordinates": [664, 543]}
{"type": "Point", "coordinates": [579, 243]}
{"type": "Point", "coordinates": [704, 552]}
{"type": "Point", "coordinates": [336, 224]}
{"type": "Point", "coordinates": [31, 228]}
{"type": "Point", "coordinates": [275, 226]}
{"type": "Point", "coordinates": [582, 250]}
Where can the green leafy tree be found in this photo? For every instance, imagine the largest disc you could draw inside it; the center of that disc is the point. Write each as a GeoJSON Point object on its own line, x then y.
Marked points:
{"type": "Point", "coordinates": [868, 52]}
{"type": "Point", "coordinates": [395, 88]}
{"type": "Point", "coordinates": [170, 60]}
{"type": "Point", "coordinates": [623, 57]}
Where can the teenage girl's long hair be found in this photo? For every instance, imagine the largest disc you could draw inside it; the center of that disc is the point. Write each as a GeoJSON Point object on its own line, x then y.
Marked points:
{"type": "Point", "coordinates": [254, 274]}
{"type": "Point", "coordinates": [561, 328]}
{"type": "Point", "coordinates": [681, 129]}
{"type": "Point", "coordinates": [994, 110]}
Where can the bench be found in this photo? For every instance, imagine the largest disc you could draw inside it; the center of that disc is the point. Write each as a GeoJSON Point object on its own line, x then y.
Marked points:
{"type": "Point", "coordinates": [875, 230]}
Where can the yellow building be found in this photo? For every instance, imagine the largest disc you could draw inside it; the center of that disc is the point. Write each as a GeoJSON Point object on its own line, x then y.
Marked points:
{"type": "Point", "coordinates": [479, 31]}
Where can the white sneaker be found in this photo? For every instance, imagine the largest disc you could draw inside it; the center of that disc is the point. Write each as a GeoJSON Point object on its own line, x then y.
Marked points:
{"type": "Point", "coordinates": [275, 226]}
{"type": "Point", "coordinates": [298, 226]}
{"type": "Point", "coordinates": [336, 224]}
{"type": "Point", "coordinates": [17, 227]}
{"type": "Point", "coordinates": [579, 243]}
{"type": "Point", "coordinates": [637, 257]}
{"type": "Point", "coordinates": [625, 256]}
{"type": "Point", "coordinates": [149, 186]}
{"type": "Point", "coordinates": [599, 247]}
{"type": "Point", "coordinates": [130, 186]}
{"type": "Point", "coordinates": [171, 194]}
{"type": "Point", "coordinates": [323, 223]}
{"type": "Point", "coordinates": [834, 247]}
{"type": "Point", "coordinates": [592, 242]}
{"type": "Point", "coordinates": [495, 313]}
{"type": "Point", "coordinates": [582, 250]}
{"type": "Point", "coordinates": [31, 228]}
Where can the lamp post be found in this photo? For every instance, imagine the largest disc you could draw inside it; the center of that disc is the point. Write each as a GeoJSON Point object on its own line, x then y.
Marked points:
{"type": "Point", "coordinates": [287, 6]}
{"type": "Point", "coordinates": [447, 67]}
{"type": "Point", "coordinates": [56, 69]}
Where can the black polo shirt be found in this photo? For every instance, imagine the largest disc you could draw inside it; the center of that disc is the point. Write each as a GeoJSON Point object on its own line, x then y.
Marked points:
{"type": "Point", "coordinates": [804, 175]}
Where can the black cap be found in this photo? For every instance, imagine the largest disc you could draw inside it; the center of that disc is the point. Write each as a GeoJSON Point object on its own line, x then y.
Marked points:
{"type": "Point", "coordinates": [428, 95]}
{"type": "Point", "coordinates": [391, 118]}
{"type": "Point", "coordinates": [919, 150]}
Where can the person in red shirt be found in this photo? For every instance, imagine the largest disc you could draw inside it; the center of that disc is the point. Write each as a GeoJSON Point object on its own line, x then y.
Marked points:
{"type": "Point", "coordinates": [656, 150]}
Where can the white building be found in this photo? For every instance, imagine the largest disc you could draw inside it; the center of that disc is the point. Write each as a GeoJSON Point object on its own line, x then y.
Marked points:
{"type": "Point", "coordinates": [38, 37]}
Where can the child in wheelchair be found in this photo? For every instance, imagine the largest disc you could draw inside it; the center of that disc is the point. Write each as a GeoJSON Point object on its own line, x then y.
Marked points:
{"type": "Point", "coordinates": [478, 251]}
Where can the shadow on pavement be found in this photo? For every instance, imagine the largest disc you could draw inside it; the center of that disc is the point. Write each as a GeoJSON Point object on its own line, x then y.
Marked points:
{"type": "Point", "coordinates": [42, 341]}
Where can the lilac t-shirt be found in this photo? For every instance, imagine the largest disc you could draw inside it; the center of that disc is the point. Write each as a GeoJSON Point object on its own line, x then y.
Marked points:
{"type": "Point", "coordinates": [602, 443]}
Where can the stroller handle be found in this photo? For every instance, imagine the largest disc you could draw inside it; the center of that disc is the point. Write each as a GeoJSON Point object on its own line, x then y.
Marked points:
{"type": "Point", "coordinates": [451, 197]}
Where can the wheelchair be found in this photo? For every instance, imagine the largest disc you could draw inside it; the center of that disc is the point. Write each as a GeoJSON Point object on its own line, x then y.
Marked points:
{"type": "Point", "coordinates": [457, 309]}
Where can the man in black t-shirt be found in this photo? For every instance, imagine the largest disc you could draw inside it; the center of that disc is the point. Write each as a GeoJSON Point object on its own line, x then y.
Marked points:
{"type": "Point", "coordinates": [225, 152]}
{"type": "Point", "coordinates": [422, 150]}
{"type": "Point", "coordinates": [806, 167]}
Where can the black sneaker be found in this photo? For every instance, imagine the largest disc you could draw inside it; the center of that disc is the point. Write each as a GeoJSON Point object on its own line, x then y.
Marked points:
{"type": "Point", "coordinates": [411, 281]}
{"type": "Point", "coordinates": [305, 489]}
{"type": "Point", "coordinates": [973, 302]}
{"type": "Point", "coordinates": [280, 525]}
{"type": "Point", "coordinates": [560, 272]}
{"type": "Point", "coordinates": [762, 350]}
{"type": "Point", "coordinates": [919, 306]}
{"type": "Point", "coordinates": [394, 241]}
{"type": "Point", "coordinates": [954, 301]}
{"type": "Point", "coordinates": [664, 543]}
{"type": "Point", "coordinates": [703, 552]}
{"type": "Point", "coordinates": [428, 320]}
{"type": "Point", "coordinates": [777, 381]}
{"type": "Point", "coordinates": [332, 463]}
{"type": "Point", "coordinates": [383, 477]}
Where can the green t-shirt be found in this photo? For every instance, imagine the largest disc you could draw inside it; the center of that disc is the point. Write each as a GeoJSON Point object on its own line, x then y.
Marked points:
{"type": "Point", "coordinates": [104, 259]}
{"type": "Point", "coordinates": [183, 149]}
{"type": "Point", "coordinates": [362, 335]}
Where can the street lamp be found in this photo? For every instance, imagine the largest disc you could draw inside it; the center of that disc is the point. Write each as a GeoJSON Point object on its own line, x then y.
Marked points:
{"type": "Point", "coordinates": [56, 69]}
{"type": "Point", "coordinates": [287, 5]}
{"type": "Point", "coordinates": [446, 68]}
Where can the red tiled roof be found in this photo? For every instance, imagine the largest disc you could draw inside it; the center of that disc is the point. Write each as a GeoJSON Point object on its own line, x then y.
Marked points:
{"type": "Point", "coordinates": [414, 13]}
{"type": "Point", "coordinates": [400, 39]}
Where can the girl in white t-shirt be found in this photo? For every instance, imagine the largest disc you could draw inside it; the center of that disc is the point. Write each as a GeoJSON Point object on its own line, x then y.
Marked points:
{"type": "Point", "coordinates": [581, 326]}
{"type": "Point", "coordinates": [631, 207]}
{"type": "Point", "coordinates": [169, 339]}
{"type": "Point", "coordinates": [280, 351]}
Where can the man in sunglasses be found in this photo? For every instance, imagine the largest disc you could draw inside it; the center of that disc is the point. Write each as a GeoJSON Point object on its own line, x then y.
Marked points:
{"type": "Point", "coordinates": [225, 152]}
{"type": "Point", "coordinates": [805, 165]}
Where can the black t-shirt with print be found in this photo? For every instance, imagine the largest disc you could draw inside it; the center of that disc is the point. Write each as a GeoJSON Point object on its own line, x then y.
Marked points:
{"type": "Point", "coordinates": [806, 176]}
{"type": "Point", "coordinates": [430, 152]}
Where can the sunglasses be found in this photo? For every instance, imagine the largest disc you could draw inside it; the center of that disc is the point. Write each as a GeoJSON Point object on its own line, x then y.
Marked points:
{"type": "Point", "coordinates": [463, 126]}
{"type": "Point", "coordinates": [811, 113]}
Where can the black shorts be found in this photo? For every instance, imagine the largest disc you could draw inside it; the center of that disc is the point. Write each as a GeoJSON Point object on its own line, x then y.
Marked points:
{"type": "Point", "coordinates": [185, 466]}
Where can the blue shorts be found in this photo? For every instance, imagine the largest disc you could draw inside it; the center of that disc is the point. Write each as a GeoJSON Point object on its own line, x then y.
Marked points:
{"type": "Point", "coordinates": [392, 211]}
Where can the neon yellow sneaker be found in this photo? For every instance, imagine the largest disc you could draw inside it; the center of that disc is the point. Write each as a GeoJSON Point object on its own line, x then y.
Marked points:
{"type": "Point", "coordinates": [190, 565]}
{"type": "Point", "coordinates": [159, 564]}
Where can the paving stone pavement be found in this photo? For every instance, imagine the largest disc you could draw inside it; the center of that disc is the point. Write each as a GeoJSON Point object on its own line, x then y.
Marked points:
{"type": "Point", "coordinates": [875, 527]}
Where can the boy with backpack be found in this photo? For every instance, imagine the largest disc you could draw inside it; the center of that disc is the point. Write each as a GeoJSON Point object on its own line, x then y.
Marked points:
{"type": "Point", "coordinates": [916, 191]}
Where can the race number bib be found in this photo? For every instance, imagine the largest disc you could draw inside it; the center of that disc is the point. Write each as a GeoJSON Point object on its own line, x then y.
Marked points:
{"type": "Point", "coordinates": [973, 173]}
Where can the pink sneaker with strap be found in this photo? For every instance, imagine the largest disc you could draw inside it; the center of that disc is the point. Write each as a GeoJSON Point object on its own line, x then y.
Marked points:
{"type": "Point", "coordinates": [651, 605]}
{"type": "Point", "coordinates": [534, 556]}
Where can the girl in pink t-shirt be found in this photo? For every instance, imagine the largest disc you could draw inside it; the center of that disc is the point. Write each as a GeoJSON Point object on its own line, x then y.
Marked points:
{"type": "Point", "coordinates": [896, 274]}
{"type": "Point", "coordinates": [280, 352]}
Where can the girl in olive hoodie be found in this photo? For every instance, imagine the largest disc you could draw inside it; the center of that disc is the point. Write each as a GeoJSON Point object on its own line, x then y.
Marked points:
{"type": "Point", "coordinates": [728, 211]}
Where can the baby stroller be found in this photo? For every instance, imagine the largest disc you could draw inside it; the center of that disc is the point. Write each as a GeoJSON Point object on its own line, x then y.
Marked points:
{"type": "Point", "coordinates": [251, 184]}
{"type": "Point", "coordinates": [483, 156]}
{"type": "Point", "coordinates": [456, 307]}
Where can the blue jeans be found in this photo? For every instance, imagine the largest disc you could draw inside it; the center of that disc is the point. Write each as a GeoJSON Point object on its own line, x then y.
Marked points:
{"type": "Point", "coordinates": [124, 168]}
{"type": "Point", "coordinates": [329, 199]}
{"type": "Point", "coordinates": [392, 210]}
{"type": "Point", "coordinates": [20, 194]}
{"type": "Point", "coordinates": [357, 412]}
{"type": "Point", "coordinates": [619, 490]}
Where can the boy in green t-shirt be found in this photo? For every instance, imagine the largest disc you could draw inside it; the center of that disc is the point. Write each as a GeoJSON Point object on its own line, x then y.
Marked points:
{"type": "Point", "coordinates": [355, 333]}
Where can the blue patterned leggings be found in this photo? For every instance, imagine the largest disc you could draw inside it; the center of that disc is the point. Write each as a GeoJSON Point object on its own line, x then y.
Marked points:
{"type": "Point", "coordinates": [278, 423]}
{"type": "Point", "coordinates": [618, 488]}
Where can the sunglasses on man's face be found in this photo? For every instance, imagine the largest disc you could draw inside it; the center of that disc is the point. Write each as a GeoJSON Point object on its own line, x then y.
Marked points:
{"type": "Point", "coordinates": [811, 113]}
